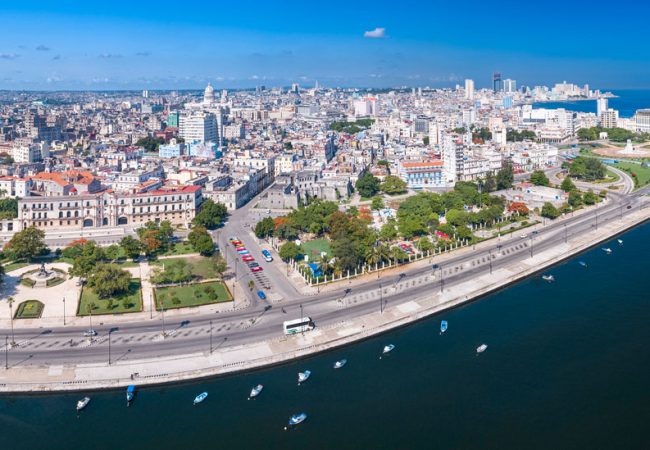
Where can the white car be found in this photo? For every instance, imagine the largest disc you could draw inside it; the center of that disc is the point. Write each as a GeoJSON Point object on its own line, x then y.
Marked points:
{"type": "Point", "coordinates": [90, 333]}
{"type": "Point", "coordinates": [523, 236]}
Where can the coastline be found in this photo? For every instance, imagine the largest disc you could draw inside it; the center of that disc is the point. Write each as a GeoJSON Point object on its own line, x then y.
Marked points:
{"type": "Point", "coordinates": [193, 367]}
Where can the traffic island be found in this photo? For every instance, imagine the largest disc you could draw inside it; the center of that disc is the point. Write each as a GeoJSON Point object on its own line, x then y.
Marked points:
{"type": "Point", "coordinates": [29, 309]}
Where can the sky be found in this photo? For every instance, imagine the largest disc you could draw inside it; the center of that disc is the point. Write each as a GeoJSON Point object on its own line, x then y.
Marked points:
{"type": "Point", "coordinates": [184, 44]}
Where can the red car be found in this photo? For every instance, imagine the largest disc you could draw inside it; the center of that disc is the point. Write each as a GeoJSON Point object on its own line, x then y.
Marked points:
{"type": "Point", "coordinates": [256, 269]}
{"type": "Point", "coordinates": [248, 258]}
{"type": "Point", "coordinates": [235, 243]}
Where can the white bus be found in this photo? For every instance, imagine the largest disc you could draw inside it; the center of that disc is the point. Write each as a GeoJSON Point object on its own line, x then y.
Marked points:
{"type": "Point", "coordinates": [298, 325]}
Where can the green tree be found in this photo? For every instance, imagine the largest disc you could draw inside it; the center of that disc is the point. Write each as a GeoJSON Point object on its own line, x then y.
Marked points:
{"type": "Point", "coordinates": [505, 176]}
{"type": "Point", "coordinates": [109, 280]}
{"type": "Point", "coordinates": [112, 252]}
{"type": "Point", "coordinates": [367, 185]}
{"type": "Point", "coordinates": [589, 169]}
{"type": "Point", "coordinates": [575, 199]}
{"type": "Point", "coordinates": [377, 203]}
{"type": "Point", "coordinates": [567, 185]}
{"type": "Point", "coordinates": [590, 198]}
{"type": "Point", "coordinates": [132, 247]}
{"type": "Point", "coordinates": [265, 227]}
{"type": "Point", "coordinates": [388, 231]}
{"type": "Point", "coordinates": [289, 250]}
{"type": "Point", "coordinates": [219, 265]}
{"type": "Point", "coordinates": [201, 241]}
{"type": "Point", "coordinates": [539, 178]}
{"type": "Point", "coordinates": [393, 185]}
{"type": "Point", "coordinates": [210, 215]}
{"type": "Point", "coordinates": [549, 211]}
{"type": "Point", "coordinates": [27, 243]}
{"type": "Point", "coordinates": [490, 184]}
{"type": "Point", "coordinates": [90, 256]}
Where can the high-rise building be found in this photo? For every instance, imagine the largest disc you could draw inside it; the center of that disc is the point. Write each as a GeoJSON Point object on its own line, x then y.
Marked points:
{"type": "Point", "coordinates": [295, 88]}
{"type": "Point", "coordinates": [509, 86]}
{"type": "Point", "coordinates": [172, 119]}
{"type": "Point", "coordinates": [642, 118]}
{"type": "Point", "coordinates": [496, 82]}
{"type": "Point", "coordinates": [609, 118]}
{"type": "Point", "coordinates": [198, 126]}
{"type": "Point", "coordinates": [601, 105]}
{"type": "Point", "coordinates": [365, 107]}
{"type": "Point", "coordinates": [469, 89]}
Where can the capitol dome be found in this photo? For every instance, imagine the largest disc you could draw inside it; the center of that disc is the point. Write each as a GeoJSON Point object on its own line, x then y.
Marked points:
{"type": "Point", "coordinates": [208, 95]}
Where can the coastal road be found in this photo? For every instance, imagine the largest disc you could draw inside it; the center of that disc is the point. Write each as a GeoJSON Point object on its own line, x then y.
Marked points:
{"type": "Point", "coordinates": [63, 345]}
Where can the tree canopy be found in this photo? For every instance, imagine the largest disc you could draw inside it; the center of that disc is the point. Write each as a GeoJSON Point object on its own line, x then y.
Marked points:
{"type": "Point", "coordinates": [108, 280]}
{"type": "Point", "coordinates": [589, 169]}
{"type": "Point", "coordinates": [27, 243]}
{"type": "Point", "coordinates": [393, 185]}
{"type": "Point", "coordinates": [201, 241]}
{"type": "Point", "coordinates": [539, 178]}
{"type": "Point", "coordinates": [505, 177]}
{"type": "Point", "coordinates": [210, 215]}
{"type": "Point", "coordinates": [367, 185]}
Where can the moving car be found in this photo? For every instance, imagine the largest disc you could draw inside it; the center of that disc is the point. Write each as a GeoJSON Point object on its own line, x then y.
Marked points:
{"type": "Point", "coordinates": [267, 255]}
{"type": "Point", "coordinates": [90, 333]}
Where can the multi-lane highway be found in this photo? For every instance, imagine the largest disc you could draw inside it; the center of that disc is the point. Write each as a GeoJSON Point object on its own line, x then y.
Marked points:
{"type": "Point", "coordinates": [258, 322]}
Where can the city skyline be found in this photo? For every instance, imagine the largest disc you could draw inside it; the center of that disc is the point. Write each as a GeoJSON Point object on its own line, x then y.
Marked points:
{"type": "Point", "coordinates": [160, 46]}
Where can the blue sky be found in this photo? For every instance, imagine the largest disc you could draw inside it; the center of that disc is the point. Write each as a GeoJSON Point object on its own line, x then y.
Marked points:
{"type": "Point", "coordinates": [186, 43]}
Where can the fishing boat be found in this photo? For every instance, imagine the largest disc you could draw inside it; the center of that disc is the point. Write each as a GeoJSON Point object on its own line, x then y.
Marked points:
{"type": "Point", "coordinates": [303, 376]}
{"type": "Point", "coordinates": [340, 363]}
{"type": "Point", "coordinates": [81, 404]}
{"type": "Point", "coordinates": [257, 390]}
{"type": "Point", "coordinates": [481, 348]}
{"type": "Point", "coordinates": [620, 241]}
{"type": "Point", "coordinates": [549, 278]}
{"type": "Point", "coordinates": [130, 393]}
{"type": "Point", "coordinates": [582, 263]}
{"type": "Point", "coordinates": [296, 419]}
{"type": "Point", "coordinates": [443, 326]}
{"type": "Point", "coordinates": [607, 250]}
{"type": "Point", "coordinates": [387, 349]}
{"type": "Point", "coordinates": [199, 398]}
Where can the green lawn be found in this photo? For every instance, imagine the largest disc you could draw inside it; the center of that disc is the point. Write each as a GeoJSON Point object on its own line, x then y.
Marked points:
{"type": "Point", "coordinates": [642, 173]}
{"type": "Point", "coordinates": [191, 295]}
{"type": "Point", "coordinates": [201, 266]}
{"type": "Point", "coordinates": [132, 298]}
{"type": "Point", "coordinates": [16, 265]}
{"type": "Point", "coordinates": [314, 248]}
{"type": "Point", "coordinates": [180, 248]}
{"type": "Point", "coordinates": [29, 309]}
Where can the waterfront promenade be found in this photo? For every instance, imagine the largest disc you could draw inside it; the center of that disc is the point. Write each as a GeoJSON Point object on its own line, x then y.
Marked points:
{"type": "Point", "coordinates": [402, 302]}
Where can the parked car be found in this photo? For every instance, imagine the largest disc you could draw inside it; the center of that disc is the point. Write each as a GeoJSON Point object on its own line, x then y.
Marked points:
{"type": "Point", "coordinates": [261, 295]}
{"type": "Point", "coordinates": [253, 264]}
{"type": "Point", "coordinates": [240, 247]}
{"type": "Point", "coordinates": [256, 269]}
{"type": "Point", "coordinates": [247, 258]}
{"type": "Point", "coordinates": [267, 255]}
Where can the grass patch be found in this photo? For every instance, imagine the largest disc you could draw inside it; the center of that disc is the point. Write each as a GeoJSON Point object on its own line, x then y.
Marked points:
{"type": "Point", "coordinates": [191, 295]}
{"type": "Point", "coordinates": [314, 248]}
{"type": "Point", "coordinates": [54, 281]}
{"type": "Point", "coordinates": [29, 309]}
{"type": "Point", "coordinates": [179, 248]}
{"type": "Point", "coordinates": [16, 265]}
{"type": "Point", "coordinates": [128, 302]}
{"type": "Point", "coordinates": [642, 173]}
{"type": "Point", "coordinates": [27, 282]}
{"type": "Point", "coordinates": [201, 266]}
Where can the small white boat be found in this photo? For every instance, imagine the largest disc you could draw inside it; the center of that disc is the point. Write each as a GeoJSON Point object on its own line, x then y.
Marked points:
{"type": "Point", "coordinates": [296, 419]}
{"type": "Point", "coordinates": [443, 327]}
{"type": "Point", "coordinates": [387, 349]}
{"type": "Point", "coordinates": [549, 278]}
{"type": "Point", "coordinates": [481, 348]}
{"type": "Point", "coordinates": [340, 363]}
{"type": "Point", "coordinates": [130, 394]}
{"type": "Point", "coordinates": [257, 390]}
{"type": "Point", "coordinates": [199, 398]}
{"type": "Point", "coordinates": [620, 241]}
{"type": "Point", "coordinates": [607, 250]}
{"type": "Point", "coordinates": [81, 404]}
{"type": "Point", "coordinates": [303, 376]}
{"type": "Point", "coordinates": [582, 263]}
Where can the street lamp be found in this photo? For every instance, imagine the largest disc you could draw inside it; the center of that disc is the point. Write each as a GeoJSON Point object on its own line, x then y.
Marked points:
{"type": "Point", "coordinates": [63, 311]}
{"type": "Point", "coordinates": [210, 337]}
{"type": "Point", "coordinates": [11, 319]}
{"type": "Point", "coordinates": [109, 346]}
{"type": "Point", "coordinates": [565, 234]}
{"type": "Point", "coordinates": [381, 299]}
{"type": "Point", "coordinates": [442, 281]}
{"type": "Point", "coordinates": [490, 258]}
{"type": "Point", "coordinates": [6, 352]}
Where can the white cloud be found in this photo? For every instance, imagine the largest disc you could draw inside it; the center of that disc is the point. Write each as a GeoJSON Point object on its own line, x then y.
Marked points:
{"type": "Point", "coordinates": [8, 55]}
{"type": "Point", "coordinates": [377, 33]}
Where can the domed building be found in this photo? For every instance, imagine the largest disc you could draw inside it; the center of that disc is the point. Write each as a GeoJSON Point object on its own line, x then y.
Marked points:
{"type": "Point", "coordinates": [208, 95]}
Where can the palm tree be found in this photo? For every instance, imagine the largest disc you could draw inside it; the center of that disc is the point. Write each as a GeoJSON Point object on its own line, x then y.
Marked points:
{"type": "Point", "coordinates": [372, 256]}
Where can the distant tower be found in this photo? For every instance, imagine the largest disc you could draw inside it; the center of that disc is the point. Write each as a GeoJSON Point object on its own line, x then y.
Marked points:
{"type": "Point", "coordinates": [601, 106]}
{"type": "Point", "coordinates": [469, 89]}
{"type": "Point", "coordinates": [496, 82]}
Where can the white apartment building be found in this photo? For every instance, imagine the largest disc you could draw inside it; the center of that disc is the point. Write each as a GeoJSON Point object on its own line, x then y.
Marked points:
{"type": "Point", "coordinates": [642, 118]}
{"type": "Point", "coordinates": [609, 118]}
{"type": "Point", "coordinates": [31, 153]}
{"type": "Point", "coordinates": [198, 126]}
{"type": "Point", "coordinates": [469, 89]}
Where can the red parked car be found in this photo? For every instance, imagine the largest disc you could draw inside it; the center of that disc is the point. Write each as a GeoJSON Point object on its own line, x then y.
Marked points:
{"type": "Point", "coordinates": [247, 258]}
{"type": "Point", "coordinates": [257, 269]}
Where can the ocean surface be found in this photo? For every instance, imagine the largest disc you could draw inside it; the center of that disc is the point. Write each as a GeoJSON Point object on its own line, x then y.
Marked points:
{"type": "Point", "coordinates": [567, 367]}
{"type": "Point", "coordinates": [627, 102]}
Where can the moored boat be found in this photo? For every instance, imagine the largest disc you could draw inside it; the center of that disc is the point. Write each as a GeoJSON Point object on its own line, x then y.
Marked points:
{"type": "Point", "coordinates": [81, 404]}
{"type": "Point", "coordinates": [620, 241]}
{"type": "Point", "coordinates": [303, 376]}
{"type": "Point", "coordinates": [443, 326]}
{"type": "Point", "coordinates": [549, 278]}
{"type": "Point", "coordinates": [481, 348]}
{"type": "Point", "coordinates": [130, 393]}
{"type": "Point", "coordinates": [387, 349]}
{"type": "Point", "coordinates": [607, 250]}
{"type": "Point", "coordinates": [582, 263]}
{"type": "Point", "coordinates": [296, 419]}
{"type": "Point", "coordinates": [199, 398]}
{"type": "Point", "coordinates": [257, 390]}
{"type": "Point", "coordinates": [340, 363]}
